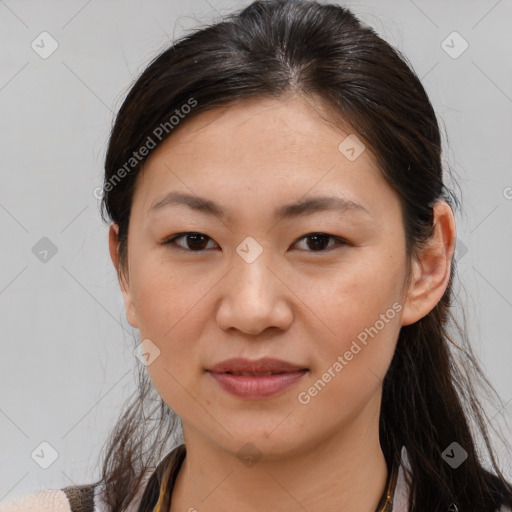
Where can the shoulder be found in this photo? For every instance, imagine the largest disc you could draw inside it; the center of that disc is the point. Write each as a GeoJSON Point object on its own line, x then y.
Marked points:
{"type": "Point", "coordinates": [76, 498]}
{"type": "Point", "coordinates": [51, 500]}
{"type": "Point", "coordinates": [69, 499]}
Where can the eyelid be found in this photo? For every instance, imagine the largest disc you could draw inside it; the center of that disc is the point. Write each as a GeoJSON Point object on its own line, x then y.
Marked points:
{"type": "Point", "coordinates": [170, 240]}
{"type": "Point", "coordinates": [340, 241]}
{"type": "Point", "coordinates": [338, 238]}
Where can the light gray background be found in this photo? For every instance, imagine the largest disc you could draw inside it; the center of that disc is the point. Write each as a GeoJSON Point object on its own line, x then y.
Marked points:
{"type": "Point", "coordinates": [67, 363]}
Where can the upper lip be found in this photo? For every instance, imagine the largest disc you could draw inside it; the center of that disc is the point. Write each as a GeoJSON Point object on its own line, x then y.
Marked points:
{"type": "Point", "coordinates": [264, 365]}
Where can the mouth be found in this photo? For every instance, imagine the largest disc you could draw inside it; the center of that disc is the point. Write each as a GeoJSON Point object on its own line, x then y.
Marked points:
{"type": "Point", "coordinates": [254, 374]}
{"type": "Point", "coordinates": [256, 380]}
{"type": "Point", "coordinates": [263, 366]}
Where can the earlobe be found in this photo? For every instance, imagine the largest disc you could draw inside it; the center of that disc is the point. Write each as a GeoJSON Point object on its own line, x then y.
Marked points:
{"type": "Point", "coordinates": [129, 305]}
{"type": "Point", "coordinates": [430, 270]}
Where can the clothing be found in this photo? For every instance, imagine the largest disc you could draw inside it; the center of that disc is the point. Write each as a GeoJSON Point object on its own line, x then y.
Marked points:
{"type": "Point", "coordinates": [87, 498]}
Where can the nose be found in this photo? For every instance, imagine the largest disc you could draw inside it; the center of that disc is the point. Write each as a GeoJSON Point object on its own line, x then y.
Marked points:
{"type": "Point", "coordinates": [254, 297]}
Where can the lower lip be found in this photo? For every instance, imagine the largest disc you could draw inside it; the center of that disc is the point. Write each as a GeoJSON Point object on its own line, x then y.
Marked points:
{"type": "Point", "coordinates": [254, 387]}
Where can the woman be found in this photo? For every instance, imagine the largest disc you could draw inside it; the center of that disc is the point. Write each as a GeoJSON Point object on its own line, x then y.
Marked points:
{"type": "Point", "coordinates": [290, 374]}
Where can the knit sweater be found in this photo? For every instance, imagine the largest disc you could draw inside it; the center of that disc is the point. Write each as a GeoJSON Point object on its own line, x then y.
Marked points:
{"type": "Point", "coordinates": [88, 498]}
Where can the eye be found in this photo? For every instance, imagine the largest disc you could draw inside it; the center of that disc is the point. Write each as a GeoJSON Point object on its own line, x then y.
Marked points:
{"type": "Point", "coordinates": [195, 241]}
{"type": "Point", "coordinates": [318, 241]}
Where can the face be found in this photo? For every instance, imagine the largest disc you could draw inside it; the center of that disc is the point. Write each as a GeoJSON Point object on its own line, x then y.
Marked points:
{"type": "Point", "coordinates": [320, 288]}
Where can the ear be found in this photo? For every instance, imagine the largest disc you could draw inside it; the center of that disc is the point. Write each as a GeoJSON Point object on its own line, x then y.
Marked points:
{"type": "Point", "coordinates": [113, 245]}
{"type": "Point", "coordinates": [430, 269]}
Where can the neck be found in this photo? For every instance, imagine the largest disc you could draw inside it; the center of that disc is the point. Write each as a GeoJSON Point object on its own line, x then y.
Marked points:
{"type": "Point", "coordinates": [345, 472]}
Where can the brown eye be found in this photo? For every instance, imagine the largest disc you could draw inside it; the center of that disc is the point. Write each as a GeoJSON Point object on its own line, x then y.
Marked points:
{"type": "Point", "coordinates": [197, 242]}
{"type": "Point", "coordinates": [193, 241]}
{"type": "Point", "coordinates": [319, 241]}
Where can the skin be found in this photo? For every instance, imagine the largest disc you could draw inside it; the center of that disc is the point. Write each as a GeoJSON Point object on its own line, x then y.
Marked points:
{"type": "Point", "coordinates": [294, 302]}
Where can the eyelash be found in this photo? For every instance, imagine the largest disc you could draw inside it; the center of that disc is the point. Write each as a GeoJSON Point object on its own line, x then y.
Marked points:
{"type": "Point", "coordinates": [171, 241]}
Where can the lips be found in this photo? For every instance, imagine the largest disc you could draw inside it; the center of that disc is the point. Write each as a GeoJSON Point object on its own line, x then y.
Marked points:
{"type": "Point", "coordinates": [256, 380]}
{"type": "Point", "coordinates": [260, 367]}
{"type": "Point", "coordinates": [254, 374]}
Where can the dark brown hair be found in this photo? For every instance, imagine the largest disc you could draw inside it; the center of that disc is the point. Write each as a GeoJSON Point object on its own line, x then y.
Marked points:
{"type": "Point", "coordinates": [277, 47]}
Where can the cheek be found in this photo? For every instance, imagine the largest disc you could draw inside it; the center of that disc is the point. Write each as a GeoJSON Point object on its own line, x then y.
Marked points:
{"type": "Point", "coordinates": [162, 296]}
{"type": "Point", "coordinates": [170, 310]}
{"type": "Point", "coordinates": [353, 299]}
{"type": "Point", "coordinates": [360, 311]}
{"type": "Point", "coordinates": [171, 314]}
{"type": "Point", "coordinates": [351, 366]}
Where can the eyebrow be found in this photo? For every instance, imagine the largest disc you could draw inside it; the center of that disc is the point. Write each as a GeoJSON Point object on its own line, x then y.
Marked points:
{"type": "Point", "coordinates": [296, 209]}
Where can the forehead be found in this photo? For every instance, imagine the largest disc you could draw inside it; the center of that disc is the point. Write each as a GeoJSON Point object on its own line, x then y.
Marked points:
{"type": "Point", "coordinates": [269, 124]}
{"type": "Point", "coordinates": [266, 150]}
